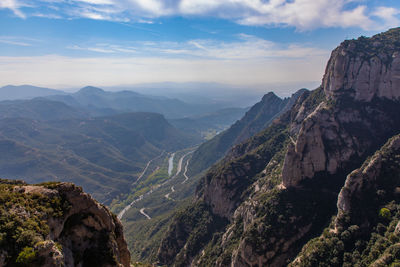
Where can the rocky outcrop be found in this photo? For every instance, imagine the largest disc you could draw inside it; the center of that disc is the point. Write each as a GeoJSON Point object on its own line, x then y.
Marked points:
{"type": "Point", "coordinates": [364, 69]}
{"type": "Point", "coordinates": [361, 80]}
{"type": "Point", "coordinates": [371, 184]}
{"type": "Point", "coordinates": [279, 189]}
{"type": "Point", "coordinates": [368, 213]}
{"type": "Point", "coordinates": [80, 230]}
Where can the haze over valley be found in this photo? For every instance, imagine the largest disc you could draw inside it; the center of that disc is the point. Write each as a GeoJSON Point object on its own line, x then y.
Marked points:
{"type": "Point", "coordinates": [199, 133]}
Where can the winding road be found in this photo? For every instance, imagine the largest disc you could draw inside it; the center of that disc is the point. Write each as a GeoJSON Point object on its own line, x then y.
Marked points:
{"type": "Point", "coordinates": [145, 168]}
{"type": "Point", "coordinates": [145, 214]}
{"type": "Point", "coordinates": [184, 174]}
{"type": "Point", "coordinates": [179, 169]}
{"type": "Point", "coordinates": [167, 195]}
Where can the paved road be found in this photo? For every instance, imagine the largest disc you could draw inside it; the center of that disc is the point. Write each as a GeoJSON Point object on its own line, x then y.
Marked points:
{"type": "Point", "coordinates": [145, 169]}
{"type": "Point", "coordinates": [167, 195]}
{"type": "Point", "coordinates": [145, 214]}
{"type": "Point", "coordinates": [184, 174]}
{"type": "Point", "coordinates": [122, 212]}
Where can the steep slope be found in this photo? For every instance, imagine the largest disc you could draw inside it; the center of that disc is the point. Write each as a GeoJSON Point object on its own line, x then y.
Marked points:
{"type": "Point", "coordinates": [104, 155]}
{"type": "Point", "coordinates": [366, 230]}
{"type": "Point", "coordinates": [56, 224]}
{"type": "Point", "coordinates": [255, 120]}
{"type": "Point", "coordinates": [279, 189]}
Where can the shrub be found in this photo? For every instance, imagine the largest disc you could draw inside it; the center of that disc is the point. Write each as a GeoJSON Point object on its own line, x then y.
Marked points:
{"type": "Point", "coordinates": [385, 214]}
{"type": "Point", "coordinates": [26, 256]}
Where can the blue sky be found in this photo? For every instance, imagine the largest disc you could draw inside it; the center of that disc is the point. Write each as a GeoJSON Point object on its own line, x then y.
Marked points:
{"type": "Point", "coordinates": [251, 44]}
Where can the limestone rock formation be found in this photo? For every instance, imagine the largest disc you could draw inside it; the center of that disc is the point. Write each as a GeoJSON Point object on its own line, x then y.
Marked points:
{"type": "Point", "coordinates": [75, 230]}
{"type": "Point", "coordinates": [279, 189]}
{"type": "Point", "coordinates": [361, 78]}
{"type": "Point", "coordinates": [362, 184]}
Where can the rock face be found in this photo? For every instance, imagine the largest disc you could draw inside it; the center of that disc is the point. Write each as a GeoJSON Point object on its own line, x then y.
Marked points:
{"type": "Point", "coordinates": [365, 68]}
{"type": "Point", "coordinates": [361, 78]}
{"type": "Point", "coordinates": [279, 189]}
{"type": "Point", "coordinates": [362, 184]}
{"type": "Point", "coordinates": [368, 213]}
{"type": "Point", "coordinates": [79, 230]}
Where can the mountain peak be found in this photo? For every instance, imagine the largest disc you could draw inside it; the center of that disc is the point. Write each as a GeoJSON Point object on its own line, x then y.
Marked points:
{"type": "Point", "coordinates": [269, 95]}
{"type": "Point", "coordinates": [90, 90]}
{"type": "Point", "coordinates": [365, 68]}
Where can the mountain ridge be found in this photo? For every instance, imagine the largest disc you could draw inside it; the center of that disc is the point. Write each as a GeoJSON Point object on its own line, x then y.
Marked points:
{"type": "Point", "coordinates": [279, 189]}
{"type": "Point", "coordinates": [256, 119]}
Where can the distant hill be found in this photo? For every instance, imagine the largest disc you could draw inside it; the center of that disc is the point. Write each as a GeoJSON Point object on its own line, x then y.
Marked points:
{"type": "Point", "coordinates": [99, 102]}
{"type": "Point", "coordinates": [104, 155]}
{"type": "Point", "coordinates": [11, 92]}
{"type": "Point", "coordinates": [218, 120]}
{"type": "Point", "coordinates": [256, 119]}
{"type": "Point", "coordinates": [39, 109]}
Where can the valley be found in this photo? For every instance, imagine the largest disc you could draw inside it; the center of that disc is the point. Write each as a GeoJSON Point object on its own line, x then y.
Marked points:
{"type": "Point", "coordinates": [193, 133]}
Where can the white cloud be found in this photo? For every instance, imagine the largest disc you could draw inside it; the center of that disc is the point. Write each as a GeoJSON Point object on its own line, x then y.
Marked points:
{"type": "Point", "coordinates": [246, 48]}
{"type": "Point", "coordinates": [48, 16]}
{"type": "Point", "coordinates": [389, 16]}
{"type": "Point", "coordinates": [301, 14]}
{"type": "Point", "coordinates": [14, 5]}
{"type": "Point", "coordinates": [15, 40]}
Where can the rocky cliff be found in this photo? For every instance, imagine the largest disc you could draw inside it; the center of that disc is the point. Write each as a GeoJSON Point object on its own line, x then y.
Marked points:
{"type": "Point", "coordinates": [57, 224]}
{"type": "Point", "coordinates": [366, 230]}
{"type": "Point", "coordinates": [279, 189]}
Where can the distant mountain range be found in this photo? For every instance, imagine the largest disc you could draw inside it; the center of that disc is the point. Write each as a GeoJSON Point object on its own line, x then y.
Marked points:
{"type": "Point", "coordinates": [11, 92]}
{"type": "Point", "coordinates": [97, 102]}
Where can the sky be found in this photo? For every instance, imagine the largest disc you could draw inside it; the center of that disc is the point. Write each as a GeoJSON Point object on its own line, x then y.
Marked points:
{"type": "Point", "coordinates": [253, 44]}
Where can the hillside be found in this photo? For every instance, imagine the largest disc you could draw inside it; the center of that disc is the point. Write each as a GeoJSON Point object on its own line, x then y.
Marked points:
{"type": "Point", "coordinates": [266, 201]}
{"type": "Point", "coordinates": [256, 119]}
{"type": "Point", "coordinates": [56, 224]}
{"type": "Point", "coordinates": [104, 155]}
{"type": "Point", "coordinates": [39, 109]}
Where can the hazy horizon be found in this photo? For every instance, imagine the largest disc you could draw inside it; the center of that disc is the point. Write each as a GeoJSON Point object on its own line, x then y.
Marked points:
{"type": "Point", "coordinates": [254, 45]}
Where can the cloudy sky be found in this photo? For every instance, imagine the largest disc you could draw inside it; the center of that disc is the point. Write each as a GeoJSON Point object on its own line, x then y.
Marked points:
{"type": "Point", "coordinates": [246, 43]}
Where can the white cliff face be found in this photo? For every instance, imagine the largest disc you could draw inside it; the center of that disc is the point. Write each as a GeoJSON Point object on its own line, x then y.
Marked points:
{"type": "Point", "coordinates": [358, 72]}
{"type": "Point", "coordinates": [363, 75]}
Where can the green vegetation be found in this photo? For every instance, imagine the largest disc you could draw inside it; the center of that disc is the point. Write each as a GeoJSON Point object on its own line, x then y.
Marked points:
{"type": "Point", "coordinates": [26, 256]}
{"type": "Point", "coordinates": [104, 155]}
{"type": "Point", "coordinates": [254, 121]}
{"type": "Point", "coordinates": [195, 225]}
{"type": "Point", "coordinates": [384, 213]}
{"type": "Point", "coordinates": [353, 247]}
{"type": "Point", "coordinates": [369, 234]}
{"type": "Point", "coordinates": [23, 220]}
